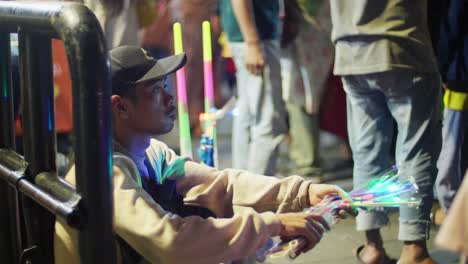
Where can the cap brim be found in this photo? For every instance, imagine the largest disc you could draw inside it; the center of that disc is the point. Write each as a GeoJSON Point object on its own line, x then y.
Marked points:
{"type": "Point", "coordinates": [164, 67]}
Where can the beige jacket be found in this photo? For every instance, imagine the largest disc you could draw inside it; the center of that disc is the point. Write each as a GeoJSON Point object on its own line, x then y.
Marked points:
{"type": "Point", "coordinates": [162, 237]}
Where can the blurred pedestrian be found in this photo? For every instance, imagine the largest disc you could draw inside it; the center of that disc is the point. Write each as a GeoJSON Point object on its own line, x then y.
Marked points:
{"type": "Point", "coordinates": [384, 54]}
{"type": "Point", "coordinates": [121, 20]}
{"type": "Point", "coordinates": [252, 28]}
{"type": "Point", "coordinates": [306, 59]}
{"type": "Point", "coordinates": [453, 65]}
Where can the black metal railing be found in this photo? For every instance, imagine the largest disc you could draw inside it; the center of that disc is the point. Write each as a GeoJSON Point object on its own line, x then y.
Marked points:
{"type": "Point", "coordinates": [31, 193]}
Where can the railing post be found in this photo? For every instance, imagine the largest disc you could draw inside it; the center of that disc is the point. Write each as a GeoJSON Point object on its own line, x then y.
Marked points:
{"type": "Point", "coordinates": [35, 57]}
{"type": "Point", "coordinates": [93, 145]}
{"type": "Point", "coordinates": [87, 55]}
{"type": "Point", "coordinates": [10, 239]}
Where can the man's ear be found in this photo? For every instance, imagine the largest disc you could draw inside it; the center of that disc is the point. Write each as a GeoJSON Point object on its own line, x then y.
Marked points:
{"type": "Point", "coordinates": [119, 106]}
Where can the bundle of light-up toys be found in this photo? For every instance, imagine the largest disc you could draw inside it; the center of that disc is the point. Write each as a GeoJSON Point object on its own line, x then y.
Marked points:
{"type": "Point", "coordinates": [207, 149]}
{"type": "Point", "coordinates": [391, 189]}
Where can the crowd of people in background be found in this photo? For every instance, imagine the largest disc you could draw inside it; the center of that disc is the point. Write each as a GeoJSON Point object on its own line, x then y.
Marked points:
{"type": "Point", "coordinates": [398, 61]}
{"type": "Point", "coordinates": [283, 53]}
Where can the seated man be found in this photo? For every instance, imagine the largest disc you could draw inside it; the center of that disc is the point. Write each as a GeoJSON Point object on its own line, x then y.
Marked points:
{"type": "Point", "coordinates": [164, 203]}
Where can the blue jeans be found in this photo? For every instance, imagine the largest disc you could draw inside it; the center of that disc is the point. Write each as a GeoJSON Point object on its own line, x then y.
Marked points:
{"type": "Point", "coordinates": [260, 125]}
{"type": "Point", "coordinates": [450, 168]}
{"type": "Point", "coordinates": [412, 99]}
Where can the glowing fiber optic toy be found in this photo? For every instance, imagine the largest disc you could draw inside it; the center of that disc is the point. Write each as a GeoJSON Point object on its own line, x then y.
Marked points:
{"type": "Point", "coordinates": [392, 189]}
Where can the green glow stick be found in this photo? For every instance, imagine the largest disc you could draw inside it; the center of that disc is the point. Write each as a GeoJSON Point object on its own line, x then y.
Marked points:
{"type": "Point", "coordinates": [182, 104]}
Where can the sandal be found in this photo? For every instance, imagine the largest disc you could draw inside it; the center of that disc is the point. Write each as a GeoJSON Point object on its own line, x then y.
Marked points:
{"type": "Point", "coordinates": [384, 260]}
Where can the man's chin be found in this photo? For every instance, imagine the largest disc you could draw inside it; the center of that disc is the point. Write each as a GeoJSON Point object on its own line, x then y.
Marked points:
{"type": "Point", "coordinates": [163, 129]}
{"type": "Point", "coordinates": [167, 128]}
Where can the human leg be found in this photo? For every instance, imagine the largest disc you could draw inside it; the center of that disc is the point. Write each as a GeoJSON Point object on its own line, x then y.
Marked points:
{"type": "Point", "coordinates": [260, 125]}
{"type": "Point", "coordinates": [269, 114]}
{"type": "Point", "coordinates": [242, 121]}
{"type": "Point", "coordinates": [303, 127]}
{"type": "Point", "coordinates": [449, 164]}
{"type": "Point", "coordinates": [414, 100]}
{"type": "Point", "coordinates": [304, 132]}
{"type": "Point", "coordinates": [370, 129]}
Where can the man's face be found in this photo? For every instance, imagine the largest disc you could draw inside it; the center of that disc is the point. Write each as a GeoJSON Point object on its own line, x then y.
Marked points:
{"type": "Point", "coordinates": [153, 111]}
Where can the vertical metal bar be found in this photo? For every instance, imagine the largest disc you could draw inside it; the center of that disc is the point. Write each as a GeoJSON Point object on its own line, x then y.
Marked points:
{"type": "Point", "coordinates": [9, 242]}
{"type": "Point", "coordinates": [35, 56]}
{"type": "Point", "coordinates": [6, 103]}
{"type": "Point", "coordinates": [84, 40]}
{"type": "Point", "coordinates": [88, 62]}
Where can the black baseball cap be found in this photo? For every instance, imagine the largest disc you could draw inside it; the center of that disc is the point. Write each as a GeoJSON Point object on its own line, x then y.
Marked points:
{"type": "Point", "coordinates": [131, 65]}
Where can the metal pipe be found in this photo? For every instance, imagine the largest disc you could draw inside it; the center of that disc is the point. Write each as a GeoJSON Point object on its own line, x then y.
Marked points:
{"type": "Point", "coordinates": [63, 192]}
{"type": "Point", "coordinates": [50, 203]}
{"type": "Point", "coordinates": [35, 54]}
{"type": "Point", "coordinates": [66, 209]}
{"type": "Point", "coordinates": [13, 165]}
{"type": "Point", "coordinates": [89, 67]}
{"type": "Point", "coordinates": [32, 17]}
{"type": "Point", "coordinates": [35, 64]}
{"type": "Point", "coordinates": [58, 188]}
{"type": "Point", "coordinates": [10, 242]}
{"type": "Point", "coordinates": [7, 133]}
{"type": "Point", "coordinates": [9, 176]}
{"type": "Point", "coordinates": [13, 160]}
{"type": "Point", "coordinates": [65, 200]}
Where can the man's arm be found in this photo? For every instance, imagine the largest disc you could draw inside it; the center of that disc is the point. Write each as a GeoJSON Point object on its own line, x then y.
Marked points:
{"type": "Point", "coordinates": [163, 237]}
{"type": "Point", "coordinates": [221, 190]}
{"type": "Point", "coordinates": [244, 14]}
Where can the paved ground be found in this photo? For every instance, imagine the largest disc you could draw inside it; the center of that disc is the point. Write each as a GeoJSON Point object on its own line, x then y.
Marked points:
{"type": "Point", "coordinates": [337, 245]}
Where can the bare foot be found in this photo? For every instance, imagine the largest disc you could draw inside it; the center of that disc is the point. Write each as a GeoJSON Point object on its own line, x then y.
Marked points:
{"type": "Point", "coordinates": [373, 251]}
{"type": "Point", "coordinates": [371, 254]}
{"type": "Point", "coordinates": [415, 252]}
{"type": "Point", "coordinates": [426, 260]}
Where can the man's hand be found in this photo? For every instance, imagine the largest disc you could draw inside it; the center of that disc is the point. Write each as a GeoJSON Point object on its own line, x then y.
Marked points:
{"type": "Point", "coordinates": [309, 226]}
{"type": "Point", "coordinates": [319, 191]}
{"type": "Point", "coordinates": [254, 61]}
{"type": "Point", "coordinates": [243, 11]}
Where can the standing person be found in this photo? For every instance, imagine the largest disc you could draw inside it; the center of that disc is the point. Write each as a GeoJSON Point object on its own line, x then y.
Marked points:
{"type": "Point", "coordinates": [164, 204]}
{"type": "Point", "coordinates": [453, 63]}
{"type": "Point", "coordinates": [306, 60]}
{"type": "Point", "coordinates": [384, 54]}
{"type": "Point", "coordinates": [121, 20]}
{"type": "Point", "coordinates": [252, 28]}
